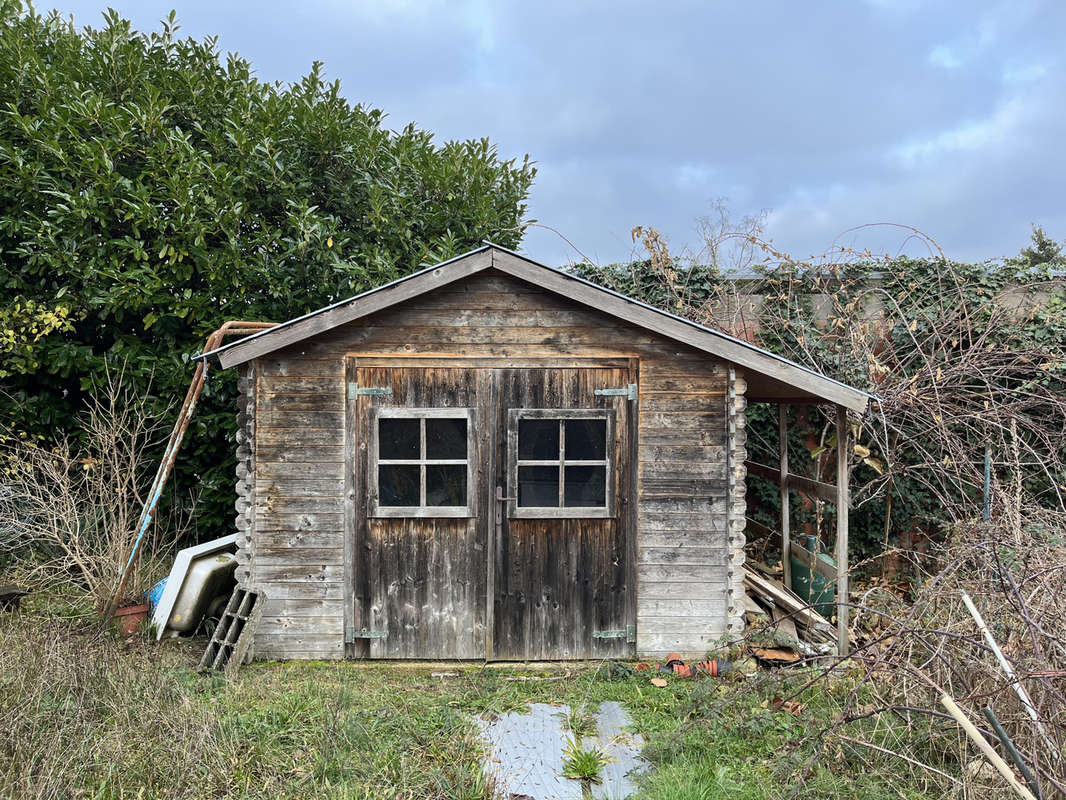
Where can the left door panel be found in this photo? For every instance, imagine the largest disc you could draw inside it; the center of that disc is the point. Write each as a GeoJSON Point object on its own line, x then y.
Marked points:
{"type": "Point", "coordinates": [418, 561]}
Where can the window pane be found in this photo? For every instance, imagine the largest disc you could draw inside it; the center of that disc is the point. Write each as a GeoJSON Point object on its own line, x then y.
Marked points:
{"type": "Point", "coordinates": [538, 486]}
{"type": "Point", "coordinates": [398, 484]}
{"type": "Point", "coordinates": [538, 440]}
{"type": "Point", "coordinates": [586, 439]}
{"type": "Point", "coordinates": [586, 487]}
{"type": "Point", "coordinates": [446, 438]}
{"type": "Point", "coordinates": [446, 485]}
{"type": "Point", "coordinates": [398, 438]}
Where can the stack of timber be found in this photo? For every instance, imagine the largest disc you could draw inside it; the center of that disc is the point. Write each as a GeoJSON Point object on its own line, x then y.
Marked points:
{"type": "Point", "coordinates": [777, 610]}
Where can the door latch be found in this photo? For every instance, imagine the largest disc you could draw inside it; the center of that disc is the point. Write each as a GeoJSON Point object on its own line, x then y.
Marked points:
{"type": "Point", "coordinates": [501, 498]}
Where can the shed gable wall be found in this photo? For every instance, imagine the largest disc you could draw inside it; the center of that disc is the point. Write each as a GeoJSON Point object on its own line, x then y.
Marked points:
{"type": "Point", "coordinates": [686, 564]}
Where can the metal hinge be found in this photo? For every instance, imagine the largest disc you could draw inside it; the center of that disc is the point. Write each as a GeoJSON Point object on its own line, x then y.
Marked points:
{"type": "Point", "coordinates": [629, 392]}
{"type": "Point", "coordinates": [629, 633]}
{"type": "Point", "coordinates": [351, 634]}
{"type": "Point", "coordinates": [354, 390]}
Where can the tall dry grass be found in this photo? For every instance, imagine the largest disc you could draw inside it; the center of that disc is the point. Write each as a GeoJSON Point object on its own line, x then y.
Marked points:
{"type": "Point", "coordinates": [86, 715]}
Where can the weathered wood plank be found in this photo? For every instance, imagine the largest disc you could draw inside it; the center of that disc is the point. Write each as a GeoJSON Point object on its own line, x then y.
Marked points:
{"type": "Point", "coordinates": [655, 589]}
{"type": "Point", "coordinates": [285, 522]}
{"type": "Point", "coordinates": [696, 574]}
{"type": "Point", "coordinates": [691, 470]}
{"type": "Point", "coordinates": [291, 365]}
{"type": "Point", "coordinates": [687, 538]}
{"type": "Point", "coordinates": [298, 556]}
{"type": "Point", "coordinates": [691, 368]}
{"type": "Point", "coordinates": [307, 573]}
{"type": "Point", "coordinates": [300, 589]}
{"type": "Point", "coordinates": [710, 506]}
{"type": "Point", "coordinates": [268, 471]}
{"type": "Point", "coordinates": [355, 336]}
{"type": "Point", "coordinates": [696, 381]}
{"type": "Point", "coordinates": [672, 487]}
{"type": "Point", "coordinates": [269, 402]}
{"type": "Point", "coordinates": [284, 453]}
{"type": "Point", "coordinates": [690, 420]}
{"type": "Point", "coordinates": [424, 317]}
{"type": "Point", "coordinates": [280, 646]}
{"type": "Point", "coordinates": [412, 360]}
{"type": "Point", "coordinates": [673, 437]}
{"type": "Point", "coordinates": [677, 556]}
{"type": "Point", "coordinates": [301, 437]}
{"type": "Point", "coordinates": [653, 401]}
{"type": "Point", "coordinates": [323, 486]}
{"type": "Point", "coordinates": [695, 624]}
{"type": "Point", "coordinates": [657, 517]}
{"type": "Point", "coordinates": [299, 384]}
{"type": "Point", "coordinates": [307, 538]}
{"type": "Point", "coordinates": [302, 419]}
{"type": "Point", "coordinates": [268, 505]}
{"type": "Point", "coordinates": [687, 645]}
{"type": "Point", "coordinates": [313, 627]}
{"type": "Point", "coordinates": [685, 452]}
{"type": "Point", "coordinates": [708, 607]}
{"type": "Point", "coordinates": [297, 607]}
{"type": "Point", "coordinates": [487, 299]}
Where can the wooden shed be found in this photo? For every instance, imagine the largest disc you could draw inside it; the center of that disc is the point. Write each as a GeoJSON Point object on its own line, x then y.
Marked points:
{"type": "Point", "coordinates": [494, 459]}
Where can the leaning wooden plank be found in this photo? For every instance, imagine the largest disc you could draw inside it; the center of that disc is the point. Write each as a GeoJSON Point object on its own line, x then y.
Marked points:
{"type": "Point", "coordinates": [790, 603]}
{"type": "Point", "coordinates": [986, 749]}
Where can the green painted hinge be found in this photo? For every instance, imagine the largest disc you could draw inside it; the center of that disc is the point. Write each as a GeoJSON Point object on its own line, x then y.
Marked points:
{"type": "Point", "coordinates": [354, 390]}
{"type": "Point", "coordinates": [629, 633]}
{"type": "Point", "coordinates": [629, 392]}
{"type": "Point", "coordinates": [351, 634]}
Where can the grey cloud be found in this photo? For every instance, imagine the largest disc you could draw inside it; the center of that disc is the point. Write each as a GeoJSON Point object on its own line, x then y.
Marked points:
{"type": "Point", "coordinates": [940, 115]}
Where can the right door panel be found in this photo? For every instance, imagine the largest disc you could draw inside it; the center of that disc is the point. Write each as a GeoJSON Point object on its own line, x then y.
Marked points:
{"type": "Point", "coordinates": [560, 553]}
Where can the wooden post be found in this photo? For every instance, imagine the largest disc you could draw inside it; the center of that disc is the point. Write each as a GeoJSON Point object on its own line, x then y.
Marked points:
{"type": "Point", "coordinates": [842, 530]}
{"type": "Point", "coordinates": [786, 540]}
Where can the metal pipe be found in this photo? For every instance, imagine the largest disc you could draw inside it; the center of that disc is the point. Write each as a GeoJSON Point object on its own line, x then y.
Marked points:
{"type": "Point", "coordinates": [166, 465]}
{"type": "Point", "coordinates": [1012, 751]}
{"type": "Point", "coordinates": [987, 514]}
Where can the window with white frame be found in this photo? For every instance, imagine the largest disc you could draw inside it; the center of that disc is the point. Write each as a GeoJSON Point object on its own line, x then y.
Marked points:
{"type": "Point", "coordinates": [421, 462]}
{"type": "Point", "coordinates": [561, 462]}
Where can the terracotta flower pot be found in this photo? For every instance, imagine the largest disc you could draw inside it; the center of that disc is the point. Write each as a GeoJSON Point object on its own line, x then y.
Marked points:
{"type": "Point", "coordinates": [129, 618]}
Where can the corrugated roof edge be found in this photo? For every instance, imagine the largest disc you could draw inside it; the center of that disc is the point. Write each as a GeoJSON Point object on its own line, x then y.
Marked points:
{"type": "Point", "coordinates": [487, 245]}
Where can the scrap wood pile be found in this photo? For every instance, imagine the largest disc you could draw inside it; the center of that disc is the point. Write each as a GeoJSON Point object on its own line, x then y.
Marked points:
{"type": "Point", "coordinates": [771, 610]}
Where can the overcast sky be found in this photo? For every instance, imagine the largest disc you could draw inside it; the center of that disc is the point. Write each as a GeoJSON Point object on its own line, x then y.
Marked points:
{"type": "Point", "coordinates": [827, 115]}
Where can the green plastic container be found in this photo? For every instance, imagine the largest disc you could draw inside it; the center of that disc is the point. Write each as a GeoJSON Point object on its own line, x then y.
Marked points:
{"type": "Point", "coordinates": [815, 589]}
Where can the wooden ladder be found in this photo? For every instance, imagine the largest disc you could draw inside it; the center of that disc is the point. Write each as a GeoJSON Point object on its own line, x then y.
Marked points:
{"type": "Point", "coordinates": [233, 635]}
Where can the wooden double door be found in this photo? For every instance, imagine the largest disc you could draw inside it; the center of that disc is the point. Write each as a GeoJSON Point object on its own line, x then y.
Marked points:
{"type": "Point", "coordinates": [490, 509]}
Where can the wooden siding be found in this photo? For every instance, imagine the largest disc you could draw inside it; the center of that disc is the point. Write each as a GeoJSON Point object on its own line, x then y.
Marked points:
{"type": "Point", "coordinates": [684, 562]}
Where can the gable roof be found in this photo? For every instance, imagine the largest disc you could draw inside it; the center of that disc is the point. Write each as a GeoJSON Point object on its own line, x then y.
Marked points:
{"type": "Point", "coordinates": [769, 376]}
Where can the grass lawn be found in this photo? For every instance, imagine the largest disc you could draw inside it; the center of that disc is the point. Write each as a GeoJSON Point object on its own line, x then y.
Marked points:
{"type": "Point", "coordinates": [91, 716]}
